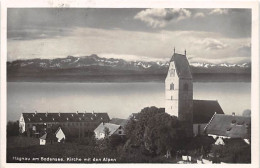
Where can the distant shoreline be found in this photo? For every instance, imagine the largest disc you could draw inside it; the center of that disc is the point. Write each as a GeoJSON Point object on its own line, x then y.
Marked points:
{"type": "Point", "coordinates": [149, 78]}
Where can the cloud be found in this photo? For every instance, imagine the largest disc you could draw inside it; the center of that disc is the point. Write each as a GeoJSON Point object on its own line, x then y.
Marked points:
{"type": "Point", "coordinates": [158, 17]}
{"type": "Point", "coordinates": [244, 50]}
{"type": "Point", "coordinates": [127, 44]}
{"type": "Point", "coordinates": [218, 11]}
{"type": "Point", "coordinates": [212, 44]}
{"type": "Point", "coordinates": [30, 33]}
{"type": "Point", "coordinates": [199, 15]}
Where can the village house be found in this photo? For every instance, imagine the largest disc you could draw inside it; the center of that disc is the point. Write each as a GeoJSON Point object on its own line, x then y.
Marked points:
{"type": "Point", "coordinates": [77, 123]}
{"type": "Point", "coordinates": [60, 135]}
{"type": "Point", "coordinates": [224, 128]}
{"type": "Point", "coordinates": [113, 129]}
{"type": "Point", "coordinates": [51, 137]}
{"type": "Point", "coordinates": [48, 138]}
{"type": "Point", "coordinates": [194, 114]}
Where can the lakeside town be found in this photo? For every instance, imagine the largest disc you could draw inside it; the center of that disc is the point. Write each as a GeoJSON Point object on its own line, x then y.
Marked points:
{"type": "Point", "coordinates": [184, 131]}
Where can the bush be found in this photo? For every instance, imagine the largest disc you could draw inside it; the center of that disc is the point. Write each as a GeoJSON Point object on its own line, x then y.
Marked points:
{"type": "Point", "coordinates": [116, 140]}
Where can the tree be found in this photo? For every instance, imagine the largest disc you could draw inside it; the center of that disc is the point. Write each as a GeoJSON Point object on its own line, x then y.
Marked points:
{"type": "Point", "coordinates": [107, 132]}
{"type": "Point", "coordinates": [246, 113]}
{"type": "Point", "coordinates": [156, 130]}
{"type": "Point", "coordinates": [12, 128]}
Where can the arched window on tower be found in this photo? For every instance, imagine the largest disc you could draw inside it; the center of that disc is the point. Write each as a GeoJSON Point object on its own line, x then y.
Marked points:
{"type": "Point", "coordinates": [171, 86]}
{"type": "Point", "coordinates": [186, 87]}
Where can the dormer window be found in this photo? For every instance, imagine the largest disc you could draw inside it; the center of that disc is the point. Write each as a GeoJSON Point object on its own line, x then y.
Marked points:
{"type": "Point", "coordinates": [229, 129]}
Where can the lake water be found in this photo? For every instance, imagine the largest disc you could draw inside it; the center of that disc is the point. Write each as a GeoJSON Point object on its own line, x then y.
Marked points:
{"type": "Point", "coordinates": [117, 99]}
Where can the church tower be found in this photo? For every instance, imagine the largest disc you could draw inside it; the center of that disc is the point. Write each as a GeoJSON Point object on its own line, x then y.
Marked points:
{"type": "Point", "coordinates": [179, 91]}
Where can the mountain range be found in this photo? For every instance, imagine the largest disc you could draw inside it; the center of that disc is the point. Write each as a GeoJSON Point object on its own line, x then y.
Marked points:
{"type": "Point", "coordinates": [97, 69]}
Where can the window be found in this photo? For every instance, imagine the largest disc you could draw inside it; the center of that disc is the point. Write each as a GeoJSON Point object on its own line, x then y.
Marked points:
{"type": "Point", "coordinates": [186, 87]}
{"type": "Point", "coordinates": [172, 73]}
{"type": "Point", "coordinates": [172, 86]}
{"type": "Point", "coordinates": [120, 132]}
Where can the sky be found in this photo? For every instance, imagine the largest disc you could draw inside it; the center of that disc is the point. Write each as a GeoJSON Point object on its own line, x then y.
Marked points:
{"type": "Point", "coordinates": [208, 35]}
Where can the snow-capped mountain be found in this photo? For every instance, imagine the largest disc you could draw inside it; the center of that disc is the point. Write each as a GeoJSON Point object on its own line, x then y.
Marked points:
{"type": "Point", "coordinates": [208, 65]}
{"type": "Point", "coordinates": [93, 66]}
{"type": "Point", "coordinates": [94, 60]}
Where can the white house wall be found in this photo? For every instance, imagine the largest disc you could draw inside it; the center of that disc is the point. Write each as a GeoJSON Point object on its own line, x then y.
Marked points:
{"type": "Point", "coordinates": [60, 135]}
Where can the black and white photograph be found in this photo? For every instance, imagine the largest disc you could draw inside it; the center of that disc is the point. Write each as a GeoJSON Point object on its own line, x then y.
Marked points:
{"type": "Point", "coordinates": [108, 85]}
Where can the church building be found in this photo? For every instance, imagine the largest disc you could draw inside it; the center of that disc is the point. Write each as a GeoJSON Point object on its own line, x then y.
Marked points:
{"type": "Point", "coordinates": [194, 114]}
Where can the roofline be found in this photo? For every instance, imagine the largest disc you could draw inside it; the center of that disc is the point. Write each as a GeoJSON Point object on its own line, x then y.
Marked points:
{"type": "Point", "coordinates": [57, 130]}
{"type": "Point", "coordinates": [210, 121]}
{"type": "Point", "coordinates": [234, 115]}
{"type": "Point", "coordinates": [65, 113]}
{"type": "Point", "coordinates": [205, 100]}
{"type": "Point", "coordinates": [43, 135]}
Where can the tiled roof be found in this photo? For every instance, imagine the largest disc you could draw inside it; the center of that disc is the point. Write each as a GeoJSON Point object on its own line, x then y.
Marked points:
{"type": "Point", "coordinates": [203, 110]}
{"type": "Point", "coordinates": [182, 65]}
{"type": "Point", "coordinates": [48, 136]}
{"type": "Point", "coordinates": [112, 128]}
{"type": "Point", "coordinates": [229, 126]}
{"type": "Point", "coordinates": [118, 121]}
{"type": "Point", "coordinates": [64, 117]}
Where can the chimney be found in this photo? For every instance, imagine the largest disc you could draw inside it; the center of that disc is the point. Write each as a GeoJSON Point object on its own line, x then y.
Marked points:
{"type": "Point", "coordinates": [77, 112]}
{"type": "Point", "coordinates": [93, 112]}
{"type": "Point", "coordinates": [59, 114]}
{"type": "Point", "coordinates": [233, 113]}
{"type": "Point", "coordinates": [35, 112]}
{"type": "Point", "coordinates": [46, 114]}
{"type": "Point", "coordinates": [174, 50]}
{"type": "Point", "coordinates": [185, 52]}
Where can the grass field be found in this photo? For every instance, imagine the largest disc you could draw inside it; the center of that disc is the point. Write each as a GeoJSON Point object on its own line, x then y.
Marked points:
{"type": "Point", "coordinates": [24, 149]}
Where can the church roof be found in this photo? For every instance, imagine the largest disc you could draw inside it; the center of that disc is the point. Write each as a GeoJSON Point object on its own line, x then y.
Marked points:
{"type": "Point", "coordinates": [64, 117]}
{"type": "Point", "coordinates": [182, 65]}
{"type": "Point", "coordinates": [203, 110]}
{"type": "Point", "coordinates": [229, 126]}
